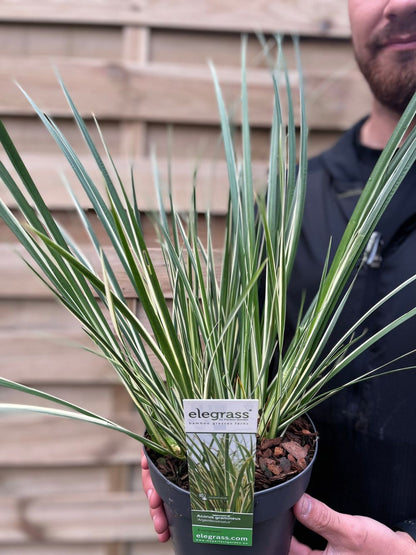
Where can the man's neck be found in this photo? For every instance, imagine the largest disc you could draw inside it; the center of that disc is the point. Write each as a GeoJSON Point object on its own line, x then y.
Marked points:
{"type": "Point", "coordinates": [378, 128]}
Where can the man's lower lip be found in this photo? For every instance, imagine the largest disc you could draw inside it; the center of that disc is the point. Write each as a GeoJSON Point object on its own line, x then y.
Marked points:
{"type": "Point", "coordinates": [411, 45]}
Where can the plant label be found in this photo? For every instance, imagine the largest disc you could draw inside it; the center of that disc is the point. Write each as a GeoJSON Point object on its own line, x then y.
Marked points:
{"type": "Point", "coordinates": [221, 443]}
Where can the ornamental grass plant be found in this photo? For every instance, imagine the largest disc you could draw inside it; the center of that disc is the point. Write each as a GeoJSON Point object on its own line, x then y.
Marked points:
{"type": "Point", "coordinates": [223, 328]}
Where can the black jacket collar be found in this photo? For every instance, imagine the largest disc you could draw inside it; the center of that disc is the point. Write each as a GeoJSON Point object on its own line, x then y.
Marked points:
{"type": "Point", "coordinates": [349, 165]}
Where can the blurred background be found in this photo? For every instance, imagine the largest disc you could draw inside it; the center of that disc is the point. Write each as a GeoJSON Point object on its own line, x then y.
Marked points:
{"type": "Point", "coordinates": [141, 67]}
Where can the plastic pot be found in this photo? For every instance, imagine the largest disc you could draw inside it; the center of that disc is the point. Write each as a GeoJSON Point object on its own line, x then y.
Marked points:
{"type": "Point", "coordinates": [273, 519]}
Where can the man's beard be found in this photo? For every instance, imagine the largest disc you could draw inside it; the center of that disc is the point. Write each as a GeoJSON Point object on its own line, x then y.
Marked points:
{"type": "Point", "coordinates": [391, 75]}
{"type": "Point", "coordinates": [392, 87]}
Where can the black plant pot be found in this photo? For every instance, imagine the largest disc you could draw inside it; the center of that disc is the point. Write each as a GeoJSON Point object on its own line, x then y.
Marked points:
{"type": "Point", "coordinates": [273, 517]}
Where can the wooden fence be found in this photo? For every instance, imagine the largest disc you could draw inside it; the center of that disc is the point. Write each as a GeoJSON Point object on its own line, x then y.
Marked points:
{"type": "Point", "coordinates": [141, 67]}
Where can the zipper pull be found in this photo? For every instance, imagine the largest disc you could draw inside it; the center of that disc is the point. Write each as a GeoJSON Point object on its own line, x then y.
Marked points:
{"type": "Point", "coordinates": [372, 254]}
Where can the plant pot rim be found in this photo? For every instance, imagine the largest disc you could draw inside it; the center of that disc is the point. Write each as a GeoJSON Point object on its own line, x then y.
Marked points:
{"type": "Point", "coordinates": [258, 494]}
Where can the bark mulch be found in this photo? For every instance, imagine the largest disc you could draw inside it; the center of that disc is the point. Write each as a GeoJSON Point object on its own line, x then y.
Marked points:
{"type": "Point", "coordinates": [277, 459]}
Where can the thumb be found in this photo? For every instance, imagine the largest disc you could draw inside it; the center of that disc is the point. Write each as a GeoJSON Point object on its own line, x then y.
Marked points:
{"type": "Point", "coordinates": [319, 518]}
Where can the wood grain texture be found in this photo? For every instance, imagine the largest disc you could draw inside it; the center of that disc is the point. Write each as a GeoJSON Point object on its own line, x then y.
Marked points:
{"type": "Point", "coordinates": [30, 440]}
{"type": "Point", "coordinates": [316, 17]}
{"type": "Point", "coordinates": [57, 549]}
{"type": "Point", "coordinates": [212, 181]}
{"type": "Point", "coordinates": [50, 41]}
{"type": "Point", "coordinates": [123, 90]}
{"type": "Point", "coordinates": [95, 517]}
{"type": "Point", "coordinates": [16, 278]}
{"type": "Point", "coordinates": [38, 481]}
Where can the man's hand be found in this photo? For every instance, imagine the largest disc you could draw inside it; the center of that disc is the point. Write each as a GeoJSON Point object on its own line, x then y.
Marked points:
{"type": "Point", "coordinates": [347, 534]}
{"type": "Point", "coordinates": [157, 511]}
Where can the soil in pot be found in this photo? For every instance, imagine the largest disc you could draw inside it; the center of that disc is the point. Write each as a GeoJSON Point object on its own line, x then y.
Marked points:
{"type": "Point", "coordinates": [277, 460]}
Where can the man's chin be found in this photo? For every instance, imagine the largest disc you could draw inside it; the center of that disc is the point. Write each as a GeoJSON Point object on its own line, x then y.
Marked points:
{"type": "Point", "coordinates": [391, 75]}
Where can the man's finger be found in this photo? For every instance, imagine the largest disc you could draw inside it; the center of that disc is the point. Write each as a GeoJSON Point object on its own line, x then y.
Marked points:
{"type": "Point", "coordinates": [157, 512]}
{"type": "Point", "coordinates": [297, 548]}
{"type": "Point", "coordinates": [154, 499]}
{"type": "Point", "coordinates": [326, 522]}
{"type": "Point", "coordinates": [143, 463]}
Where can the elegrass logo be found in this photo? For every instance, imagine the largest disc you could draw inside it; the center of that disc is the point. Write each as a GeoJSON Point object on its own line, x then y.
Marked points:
{"type": "Point", "coordinates": [218, 415]}
{"type": "Point", "coordinates": [222, 537]}
{"type": "Point", "coordinates": [214, 415]}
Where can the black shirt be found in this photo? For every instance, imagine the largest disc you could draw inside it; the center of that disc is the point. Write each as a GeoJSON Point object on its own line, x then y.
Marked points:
{"type": "Point", "coordinates": [367, 454]}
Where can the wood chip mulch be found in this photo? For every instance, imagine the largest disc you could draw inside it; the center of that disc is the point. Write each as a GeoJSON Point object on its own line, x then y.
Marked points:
{"type": "Point", "coordinates": [277, 459]}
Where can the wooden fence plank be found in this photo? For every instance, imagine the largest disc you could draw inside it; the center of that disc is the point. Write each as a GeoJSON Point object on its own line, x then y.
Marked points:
{"type": "Point", "coordinates": [34, 482]}
{"type": "Point", "coordinates": [203, 142]}
{"type": "Point", "coordinates": [97, 397]}
{"type": "Point", "coordinates": [187, 142]}
{"type": "Point", "coordinates": [29, 315]}
{"type": "Point", "coordinates": [145, 549]}
{"type": "Point", "coordinates": [130, 91]}
{"type": "Point", "coordinates": [41, 343]}
{"type": "Point", "coordinates": [318, 17]}
{"type": "Point", "coordinates": [59, 549]}
{"type": "Point", "coordinates": [192, 47]}
{"type": "Point", "coordinates": [30, 440]}
{"type": "Point", "coordinates": [37, 39]}
{"type": "Point", "coordinates": [48, 358]}
{"type": "Point", "coordinates": [32, 359]}
{"type": "Point", "coordinates": [97, 12]}
{"type": "Point", "coordinates": [16, 279]}
{"type": "Point", "coordinates": [92, 517]}
{"type": "Point", "coordinates": [212, 181]}
{"type": "Point", "coordinates": [30, 136]}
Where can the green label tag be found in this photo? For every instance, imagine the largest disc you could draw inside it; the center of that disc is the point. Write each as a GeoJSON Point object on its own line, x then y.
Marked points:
{"type": "Point", "coordinates": [222, 528]}
{"type": "Point", "coordinates": [222, 536]}
{"type": "Point", "coordinates": [221, 442]}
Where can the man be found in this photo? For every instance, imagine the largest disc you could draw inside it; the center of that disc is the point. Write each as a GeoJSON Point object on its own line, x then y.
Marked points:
{"type": "Point", "coordinates": [367, 458]}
